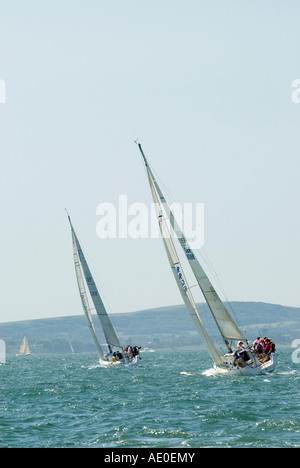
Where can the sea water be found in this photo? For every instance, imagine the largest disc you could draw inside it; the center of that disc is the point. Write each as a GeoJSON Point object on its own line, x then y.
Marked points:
{"type": "Point", "coordinates": [173, 399]}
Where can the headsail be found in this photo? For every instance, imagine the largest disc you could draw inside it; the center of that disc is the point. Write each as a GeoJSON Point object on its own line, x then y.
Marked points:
{"type": "Point", "coordinates": [109, 332]}
{"type": "Point", "coordinates": [84, 298]}
{"type": "Point", "coordinates": [224, 321]}
{"type": "Point", "coordinates": [181, 279]}
{"type": "Point", "coordinates": [24, 348]}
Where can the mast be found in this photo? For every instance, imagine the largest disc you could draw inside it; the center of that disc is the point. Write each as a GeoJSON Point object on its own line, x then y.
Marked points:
{"type": "Point", "coordinates": [224, 321]}
{"type": "Point", "coordinates": [109, 332]}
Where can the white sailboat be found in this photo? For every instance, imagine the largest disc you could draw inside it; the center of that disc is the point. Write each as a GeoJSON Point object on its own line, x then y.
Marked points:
{"type": "Point", "coordinates": [244, 360]}
{"type": "Point", "coordinates": [71, 346]}
{"type": "Point", "coordinates": [116, 355]}
{"type": "Point", "coordinates": [24, 348]}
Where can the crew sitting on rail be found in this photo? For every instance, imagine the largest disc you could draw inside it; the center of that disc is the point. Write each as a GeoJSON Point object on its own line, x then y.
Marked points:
{"type": "Point", "coordinates": [239, 356]}
{"type": "Point", "coordinates": [263, 348]}
{"type": "Point", "coordinates": [270, 347]}
{"type": "Point", "coordinates": [242, 352]}
{"type": "Point", "coordinates": [132, 351]}
{"type": "Point", "coordinates": [117, 355]}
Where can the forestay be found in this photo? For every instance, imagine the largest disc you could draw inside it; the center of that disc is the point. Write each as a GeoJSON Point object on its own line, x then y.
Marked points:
{"type": "Point", "coordinates": [224, 321]}
{"type": "Point", "coordinates": [181, 279]}
{"type": "Point", "coordinates": [109, 332]}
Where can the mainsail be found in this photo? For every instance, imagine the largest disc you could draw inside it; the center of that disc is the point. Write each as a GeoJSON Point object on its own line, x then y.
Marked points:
{"type": "Point", "coordinates": [109, 332]}
{"type": "Point", "coordinates": [24, 348]}
{"type": "Point", "coordinates": [224, 321]}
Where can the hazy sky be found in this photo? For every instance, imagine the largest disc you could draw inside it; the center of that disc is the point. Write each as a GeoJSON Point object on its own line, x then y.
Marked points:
{"type": "Point", "coordinates": [206, 86]}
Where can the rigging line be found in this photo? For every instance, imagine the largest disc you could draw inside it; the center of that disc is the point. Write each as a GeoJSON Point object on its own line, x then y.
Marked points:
{"type": "Point", "coordinates": [100, 289]}
{"type": "Point", "coordinates": [222, 288]}
{"type": "Point", "coordinates": [161, 182]}
{"type": "Point", "coordinates": [212, 272]}
{"type": "Point", "coordinates": [166, 190]}
{"type": "Point", "coordinates": [204, 256]}
{"type": "Point", "coordinates": [98, 283]}
{"type": "Point", "coordinates": [169, 195]}
{"type": "Point", "coordinates": [186, 221]}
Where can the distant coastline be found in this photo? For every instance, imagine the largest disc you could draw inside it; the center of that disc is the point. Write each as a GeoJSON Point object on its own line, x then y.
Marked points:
{"type": "Point", "coordinates": [161, 328]}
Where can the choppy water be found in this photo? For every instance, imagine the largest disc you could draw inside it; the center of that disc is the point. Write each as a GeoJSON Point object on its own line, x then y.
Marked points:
{"type": "Point", "coordinates": [169, 401]}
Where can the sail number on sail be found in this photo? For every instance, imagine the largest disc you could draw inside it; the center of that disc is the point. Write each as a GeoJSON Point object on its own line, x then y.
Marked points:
{"type": "Point", "coordinates": [188, 252]}
{"type": "Point", "coordinates": [181, 278]}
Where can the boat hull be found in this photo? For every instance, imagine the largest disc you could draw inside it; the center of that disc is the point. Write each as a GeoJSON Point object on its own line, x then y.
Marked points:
{"type": "Point", "coordinates": [134, 362]}
{"type": "Point", "coordinates": [254, 367]}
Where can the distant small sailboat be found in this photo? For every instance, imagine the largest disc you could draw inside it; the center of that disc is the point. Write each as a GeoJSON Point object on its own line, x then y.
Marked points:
{"type": "Point", "coordinates": [244, 360]}
{"type": "Point", "coordinates": [71, 346]}
{"type": "Point", "coordinates": [116, 355]}
{"type": "Point", "coordinates": [24, 348]}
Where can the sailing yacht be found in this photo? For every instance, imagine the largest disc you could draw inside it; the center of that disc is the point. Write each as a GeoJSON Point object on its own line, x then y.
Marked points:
{"type": "Point", "coordinates": [244, 361]}
{"type": "Point", "coordinates": [24, 348]}
{"type": "Point", "coordinates": [115, 355]}
{"type": "Point", "coordinates": [71, 346]}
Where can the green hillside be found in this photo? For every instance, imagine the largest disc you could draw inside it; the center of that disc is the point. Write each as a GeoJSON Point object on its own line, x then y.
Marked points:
{"type": "Point", "coordinates": [156, 328]}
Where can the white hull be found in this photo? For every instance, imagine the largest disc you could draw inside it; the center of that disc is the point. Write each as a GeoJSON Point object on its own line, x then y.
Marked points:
{"type": "Point", "coordinates": [122, 363]}
{"type": "Point", "coordinates": [253, 367]}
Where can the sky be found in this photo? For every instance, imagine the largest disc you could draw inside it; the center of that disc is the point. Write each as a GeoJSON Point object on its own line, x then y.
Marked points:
{"type": "Point", "coordinates": [207, 88]}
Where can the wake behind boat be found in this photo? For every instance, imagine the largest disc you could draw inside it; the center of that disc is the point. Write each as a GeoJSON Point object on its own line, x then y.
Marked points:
{"type": "Point", "coordinates": [246, 359]}
{"type": "Point", "coordinates": [116, 355]}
